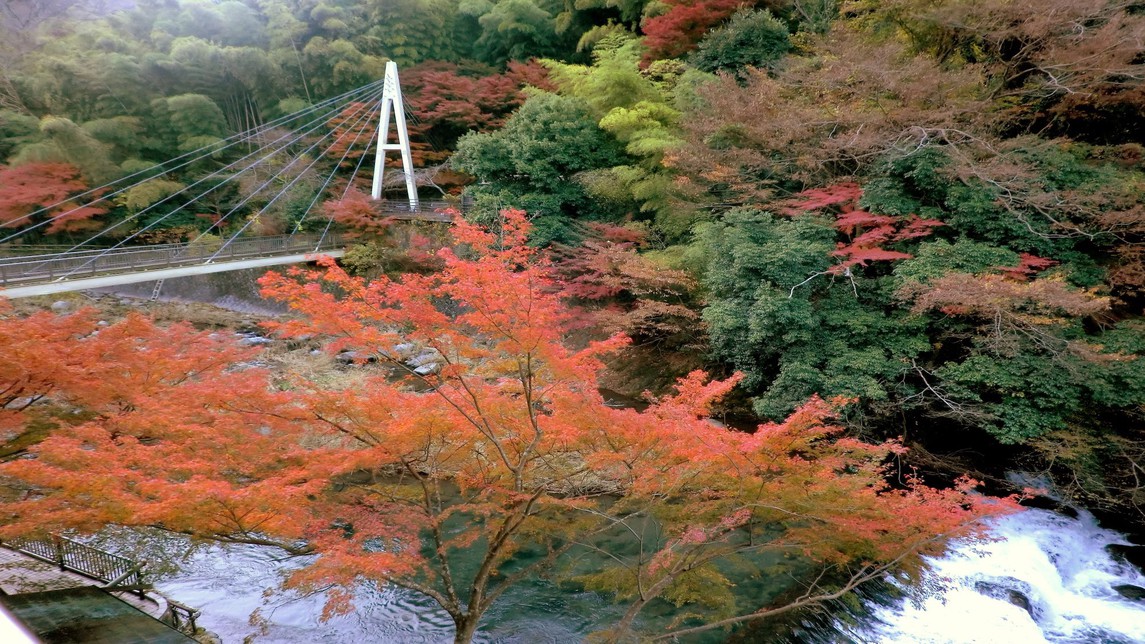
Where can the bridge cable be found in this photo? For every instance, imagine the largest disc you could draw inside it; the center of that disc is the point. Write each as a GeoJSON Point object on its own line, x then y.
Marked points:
{"type": "Point", "coordinates": [149, 226]}
{"type": "Point", "coordinates": [207, 150]}
{"type": "Point", "coordinates": [349, 184]}
{"type": "Point", "coordinates": [361, 117]}
{"type": "Point", "coordinates": [366, 116]}
{"type": "Point", "coordinates": [321, 121]}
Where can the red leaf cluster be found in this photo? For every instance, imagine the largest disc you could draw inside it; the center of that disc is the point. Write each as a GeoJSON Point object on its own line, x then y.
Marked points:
{"type": "Point", "coordinates": [1028, 266]}
{"type": "Point", "coordinates": [845, 194]}
{"type": "Point", "coordinates": [678, 30]}
{"type": "Point", "coordinates": [25, 189]}
{"type": "Point", "coordinates": [353, 129]}
{"type": "Point", "coordinates": [357, 211]}
{"type": "Point", "coordinates": [450, 101]}
{"type": "Point", "coordinates": [867, 232]}
{"type": "Point", "coordinates": [615, 288]}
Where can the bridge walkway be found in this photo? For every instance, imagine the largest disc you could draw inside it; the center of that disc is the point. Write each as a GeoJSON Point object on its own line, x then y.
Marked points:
{"type": "Point", "coordinates": [48, 273]}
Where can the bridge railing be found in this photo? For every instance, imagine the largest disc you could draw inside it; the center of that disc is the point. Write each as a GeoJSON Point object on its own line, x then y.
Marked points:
{"type": "Point", "coordinates": [18, 250]}
{"type": "Point", "coordinates": [118, 573]}
{"type": "Point", "coordinates": [81, 558]}
{"type": "Point", "coordinates": [421, 210]}
{"type": "Point", "coordinates": [20, 267]}
{"type": "Point", "coordinates": [39, 268]}
{"type": "Point", "coordinates": [181, 617]}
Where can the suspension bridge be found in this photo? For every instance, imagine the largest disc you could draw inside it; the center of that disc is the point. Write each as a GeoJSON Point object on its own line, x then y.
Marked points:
{"type": "Point", "coordinates": [28, 269]}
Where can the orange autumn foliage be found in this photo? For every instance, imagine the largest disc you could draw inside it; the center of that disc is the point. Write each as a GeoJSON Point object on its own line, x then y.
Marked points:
{"type": "Point", "coordinates": [505, 447]}
{"type": "Point", "coordinates": [38, 193]}
{"type": "Point", "coordinates": [616, 289]}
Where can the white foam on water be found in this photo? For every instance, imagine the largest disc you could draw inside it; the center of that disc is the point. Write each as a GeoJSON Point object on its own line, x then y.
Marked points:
{"type": "Point", "coordinates": [1060, 565]}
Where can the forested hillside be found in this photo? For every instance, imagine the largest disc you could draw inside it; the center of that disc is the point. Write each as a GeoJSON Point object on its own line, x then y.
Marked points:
{"type": "Point", "coordinates": [934, 209]}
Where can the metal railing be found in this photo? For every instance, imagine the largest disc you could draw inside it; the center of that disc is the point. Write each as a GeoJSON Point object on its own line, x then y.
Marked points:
{"type": "Point", "coordinates": [117, 573]}
{"type": "Point", "coordinates": [68, 554]}
{"type": "Point", "coordinates": [181, 617]}
{"type": "Point", "coordinates": [77, 264]}
{"type": "Point", "coordinates": [421, 210]}
{"type": "Point", "coordinates": [16, 250]}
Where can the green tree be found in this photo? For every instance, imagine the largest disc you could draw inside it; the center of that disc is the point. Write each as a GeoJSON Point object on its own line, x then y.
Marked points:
{"type": "Point", "coordinates": [752, 38]}
{"type": "Point", "coordinates": [512, 29]}
{"type": "Point", "coordinates": [335, 66]}
{"type": "Point", "coordinates": [16, 129]}
{"type": "Point", "coordinates": [193, 120]}
{"type": "Point", "coordinates": [637, 111]}
{"type": "Point", "coordinates": [65, 142]}
{"type": "Point", "coordinates": [776, 313]}
{"type": "Point", "coordinates": [410, 31]}
{"type": "Point", "coordinates": [120, 133]}
{"type": "Point", "coordinates": [533, 161]}
{"type": "Point", "coordinates": [228, 23]}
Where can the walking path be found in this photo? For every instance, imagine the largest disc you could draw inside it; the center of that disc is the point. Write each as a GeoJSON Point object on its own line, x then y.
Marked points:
{"type": "Point", "coordinates": [20, 573]}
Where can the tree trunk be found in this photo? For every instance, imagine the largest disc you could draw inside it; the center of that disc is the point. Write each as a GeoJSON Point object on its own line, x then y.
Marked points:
{"type": "Point", "coordinates": [466, 629]}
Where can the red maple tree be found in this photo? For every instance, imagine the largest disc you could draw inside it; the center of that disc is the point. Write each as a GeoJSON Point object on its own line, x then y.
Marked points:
{"type": "Point", "coordinates": [505, 452]}
{"type": "Point", "coordinates": [678, 30]}
{"type": "Point", "coordinates": [41, 192]}
{"type": "Point", "coordinates": [354, 129]}
{"type": "Point", "coordinates": [1028, 266]}
{"type": "Point", "coordinates": [357, 211]}
{"type": "Point", "coordinates": [617, 289]}
{"type": "Point", "coordinates": [450, 101]}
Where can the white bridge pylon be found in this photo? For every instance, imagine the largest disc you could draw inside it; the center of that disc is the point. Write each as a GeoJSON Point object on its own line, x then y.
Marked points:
{"type": "Point", "coordinates": [392, 101]}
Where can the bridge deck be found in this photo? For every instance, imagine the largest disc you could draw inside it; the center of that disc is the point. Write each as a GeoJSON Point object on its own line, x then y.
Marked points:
{"type": "Point", "coordinates": [83, 284]}
{"type": "Point", "coordinates": [44, 272]}
{"type": "Point", "coordinates": [56, 273]}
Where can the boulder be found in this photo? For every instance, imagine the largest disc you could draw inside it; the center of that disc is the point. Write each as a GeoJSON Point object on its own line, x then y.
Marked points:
{"type": "Point", "coordinates": [1010, 590]}
{"type": "Point", "coordinates": [1129, 591]}
{"type": "Point", "coordinates": [423, 359]}
{"type": "Point", "coordinates": [1134, 555]}
{"type": "Point", "coordinates": [252, 340]}
{"type": "Point", "coordinates": [1051, 504]}
{"type": "Point", "coordinates": [355, 357]}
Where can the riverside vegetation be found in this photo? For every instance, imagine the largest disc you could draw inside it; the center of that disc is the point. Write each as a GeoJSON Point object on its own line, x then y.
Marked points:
{"type": "Point", "coordinates": [897, 232]}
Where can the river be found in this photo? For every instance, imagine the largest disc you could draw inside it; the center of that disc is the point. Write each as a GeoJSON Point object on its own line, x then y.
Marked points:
{"type": "Point", "coordinates": [230, 582]}
{"type": "Point", "coordinates": [1038, 577]}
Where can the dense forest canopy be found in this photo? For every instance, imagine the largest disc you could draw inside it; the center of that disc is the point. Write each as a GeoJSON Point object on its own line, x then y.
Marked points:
{"type": "Point", "coordinates": [931, 208]}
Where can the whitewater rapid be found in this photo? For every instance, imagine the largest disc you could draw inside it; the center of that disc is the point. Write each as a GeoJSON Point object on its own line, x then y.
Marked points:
{"type": "Point", "coordinates": [1039, 577]}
